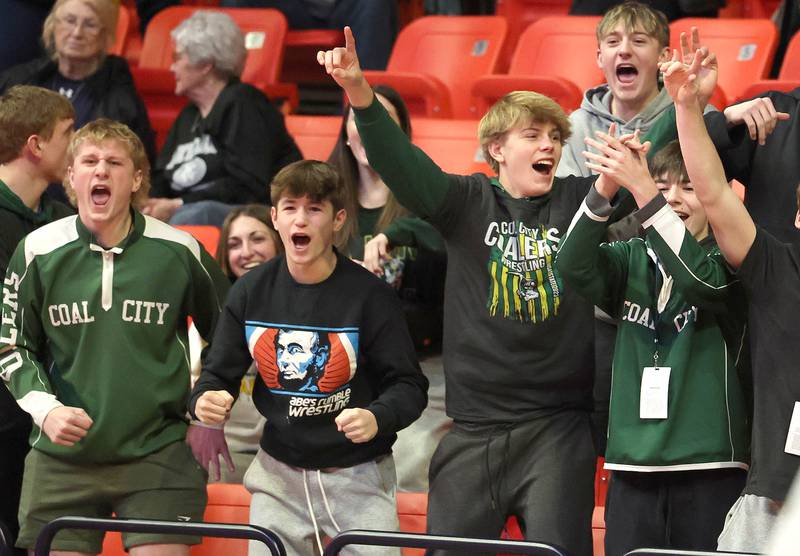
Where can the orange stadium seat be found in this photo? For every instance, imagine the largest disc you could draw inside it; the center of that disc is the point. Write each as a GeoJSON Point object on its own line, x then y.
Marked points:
{"type": "Point", "coordinates": [264, 29]}
{"type": "Point", "coordinates": [744, 48]}
{"type": "Point", "coordinates": [436, 58]}
{"type": "Point", "coordinates": [314, 135]}
{"type": "Point", "coordinates": [227, 503]}
{"type": "Point", "coordinates": [452, 144]}
{"type": "Point", "coordinates": [788, 77]}
{"type": "Point", "coordinates": [208, 236]}
{"type": "Point", "coordinates": [555, 56]}
{"type": "Point", "coordinates": [520, 14]}
{"type": "Point", "coordinates": [122, 31]}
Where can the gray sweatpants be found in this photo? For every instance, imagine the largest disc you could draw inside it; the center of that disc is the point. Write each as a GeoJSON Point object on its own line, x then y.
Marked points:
{"type": "Point", "coordinates": [290, 501]}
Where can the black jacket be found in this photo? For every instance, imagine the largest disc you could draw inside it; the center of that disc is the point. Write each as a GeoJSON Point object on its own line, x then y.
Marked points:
{"type": "Point", "coordinates": [111, 88]}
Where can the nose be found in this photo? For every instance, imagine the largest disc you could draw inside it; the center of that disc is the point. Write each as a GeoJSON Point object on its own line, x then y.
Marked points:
{"type": "Point", "coordinates": [547, 143]}
{"type": "Point", "coordinates": [624, 46]}
{"type": "Point", "coordinates": [672, 195]}
{"type": "Point", "coordinates": [102, 168]}
{"type": "Point", "coordinates": [246, 249]}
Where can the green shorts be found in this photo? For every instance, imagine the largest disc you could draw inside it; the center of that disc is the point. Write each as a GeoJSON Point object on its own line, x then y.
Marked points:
{"type": "Point", "coordinates": [168, 484]}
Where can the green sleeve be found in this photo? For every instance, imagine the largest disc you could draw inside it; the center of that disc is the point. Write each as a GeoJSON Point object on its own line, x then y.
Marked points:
{"type": "Point", "coordinates": [209, 289]}
{"type": "Point", "coordinates": [417, 182]}
{"type": "Point", "coordinates": [410, 231]}
{"type": "Point", "coordinates": [594, 269]}
{"type": "Point", "coordinates": [701, 275]}
{"type": "Point", "coordinates": [663, 131]}
{"type": "Point", "coordinates": [22, 339]}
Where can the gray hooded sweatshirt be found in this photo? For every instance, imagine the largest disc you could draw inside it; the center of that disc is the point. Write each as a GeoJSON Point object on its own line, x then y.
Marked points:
{"type": "Point", "coordinates": [595, 114]}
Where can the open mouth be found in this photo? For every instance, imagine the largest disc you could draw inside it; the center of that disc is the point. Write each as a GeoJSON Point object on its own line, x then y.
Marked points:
{"type": "Point", "coordinates": [627, 73]}
{"type": "Point", "coordinates": [544, 167]}
{"type": "Point", "coordinates": [300, 241]}
{"type": "Point", "coordinates": [100, 195]}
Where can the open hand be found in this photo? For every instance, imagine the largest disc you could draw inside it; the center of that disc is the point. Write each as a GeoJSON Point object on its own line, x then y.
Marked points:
{"type": "Point", "coordinates": [207, 444]}
{"type": "Point", "coordinates": [758, 114]}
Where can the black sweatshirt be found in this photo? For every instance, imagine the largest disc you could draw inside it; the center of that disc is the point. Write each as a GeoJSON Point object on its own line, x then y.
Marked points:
{"type": "Point", "coordinates": [518, 344]}
{"type": "Point", "coordinates": [230, 155]}
{"type": "Point", "coordinates": [346, 335]}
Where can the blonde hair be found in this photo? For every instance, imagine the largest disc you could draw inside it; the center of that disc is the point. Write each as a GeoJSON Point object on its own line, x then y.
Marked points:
{"type": "Point", "coordinates": [27, 110]}
{"type": "Point", "coordinates": [100, 131]}
{"type": "Point", "coordinates": [635, 17]}
{"type": "Point", "coordinates": [515, 108]}
{"type": "Point", "coordinates": [106, 11]}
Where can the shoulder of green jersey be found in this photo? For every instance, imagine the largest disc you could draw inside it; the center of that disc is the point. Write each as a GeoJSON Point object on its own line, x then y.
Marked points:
{"type": "Point", "coordinates": [156, 229]}
{"type": "Point", "coordinates": [50, 237]}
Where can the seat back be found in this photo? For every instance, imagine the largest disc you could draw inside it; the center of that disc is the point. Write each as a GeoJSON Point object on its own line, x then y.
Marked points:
{"type": "Point", "coordinates": [208, 236]}
{"type": "Point", "coordinates": [454, 49]}
{"type": "Point", "coordinates": [264, 32]}
{"type": "Point", "coordinates": [744, 48]}
{"type": "Point", "coordinates": [227, 503]}
{"type": "Point", "coordinates": [790, 67]}
{"type": "Point", "coordinates": [452, 144]}
{"type": "Point", "coordinates": [315, 135]}
{"type": "Point", "coordinates": [122, 31]}
{"type": "Point", "coordinates": [560, 46]}
{"type": "Point", "coordinates": [520, 14]}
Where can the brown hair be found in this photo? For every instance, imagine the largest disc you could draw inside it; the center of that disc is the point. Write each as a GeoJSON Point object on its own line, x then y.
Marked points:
{"type": "Point", "coordinates": [345, 163]}
{"type": "Point", "coordinates": [635, 17]}
{"type": "Point", "coordinates": [515, 108]}
{"type": "Point", "coordinates": [106, 11]}
{"type": "Point", "coordinates": [102, 130]}
{"type": "Point", "coordinates": [317, 180]}
{"type": "Point", "coordinates": [260, 213]}
{"type": "Point", "coordinates": [26, 110]}
{"type": "Point", "coordinates": [668, 163]}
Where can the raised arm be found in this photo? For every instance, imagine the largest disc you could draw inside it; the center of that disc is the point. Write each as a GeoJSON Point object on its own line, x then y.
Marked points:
{"type": "Point", "coordinates": [417, 182]}
{"type": "Point", "coordinates": [732, 225]}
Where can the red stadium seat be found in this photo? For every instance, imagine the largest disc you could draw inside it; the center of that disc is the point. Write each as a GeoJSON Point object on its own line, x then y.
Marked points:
{"type": "Point", "coordinates": [452, 144]}
{"type": "Point", "coordinates": [315, 135]}
{"type": "Point", "coordinates": [208, 236]}
{"type": "Point", "coordinates": [554, 56]}
{"type": "Point", "coordinates": [121, 33]}
{"type": "Point", "coordinates": [744, 48]}
{"type": "Point", "coordinates": [520, 14]}
{"type": "Point", "coordinates": [264, 30]}
{"type": "Point", "coordinates": [436, 58]}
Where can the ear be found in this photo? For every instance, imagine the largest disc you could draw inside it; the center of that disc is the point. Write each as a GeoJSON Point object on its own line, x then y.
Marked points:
{"type": "Point", "coordinates": [34, 145]}
{"type": "Point", "coordinates": [495, 149]}
{"type": "Point", "coordinates": [273, 213]}
{"type": "Point", "coordinates": [666, 55]}
{"type": "Point", "coordinates": [599, 60]}
{"type": "Point", "coordinates": [137, 181]}
{"type": "Point", "coordinates": [339, 219]}
{"type": "Point", "coordinates": [69, 176]}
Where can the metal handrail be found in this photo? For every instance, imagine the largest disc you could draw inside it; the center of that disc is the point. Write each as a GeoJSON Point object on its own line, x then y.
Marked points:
{"type": "Point", "coordinates": [225, 530]}
{"type": "Point", "coordinates": [416, 540]}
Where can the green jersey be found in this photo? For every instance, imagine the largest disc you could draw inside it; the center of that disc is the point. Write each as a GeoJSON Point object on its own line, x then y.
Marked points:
{"type": "Point", "coordinates": [106, 330]}
{"type": "Point", "coordinates": [677, 307]}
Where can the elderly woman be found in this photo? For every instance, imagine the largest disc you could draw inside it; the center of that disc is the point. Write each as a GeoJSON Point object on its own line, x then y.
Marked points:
{"type": "Point", "coordinates": [76, 35]}
{"type": "Point", "coordinates": [228, 142]}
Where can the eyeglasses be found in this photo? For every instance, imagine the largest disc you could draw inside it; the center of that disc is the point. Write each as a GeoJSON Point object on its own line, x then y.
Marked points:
{"type": "Point", "coordinates": [71, 23]}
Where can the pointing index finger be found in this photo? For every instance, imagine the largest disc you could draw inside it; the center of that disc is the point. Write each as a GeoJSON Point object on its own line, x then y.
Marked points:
{"type": "Point", "coordinates": [349, 40]}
